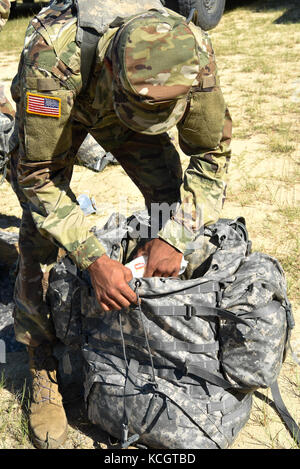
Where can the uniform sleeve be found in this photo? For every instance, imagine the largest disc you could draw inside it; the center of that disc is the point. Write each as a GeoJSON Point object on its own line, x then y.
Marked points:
{"type": "Point", "coordinates": [205, 136]}
{"type": "Point", "coordinates": [48, 143]}
{"type": "Point", "coordinates": [4, 12]}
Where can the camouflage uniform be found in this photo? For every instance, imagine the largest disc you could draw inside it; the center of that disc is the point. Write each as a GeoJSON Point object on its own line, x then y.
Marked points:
{"type": "Point", "coordinates": [4, 12]}
{"type": "Point", "coordinates": [129, 104]}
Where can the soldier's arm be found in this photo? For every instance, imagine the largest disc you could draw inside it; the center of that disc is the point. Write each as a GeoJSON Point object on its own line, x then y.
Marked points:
{"type": "Point", "coordinates": [45, 90]}
{"type": "Point", "coordinates": [204, 135]}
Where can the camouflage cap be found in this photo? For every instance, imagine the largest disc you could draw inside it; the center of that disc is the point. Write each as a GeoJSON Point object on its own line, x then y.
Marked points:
{"type": "Point", "coordinates": [155, 62]}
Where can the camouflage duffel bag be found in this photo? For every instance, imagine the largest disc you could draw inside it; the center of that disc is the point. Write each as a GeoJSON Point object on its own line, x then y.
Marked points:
{"type": "Point", "coordinates": [178, 371]}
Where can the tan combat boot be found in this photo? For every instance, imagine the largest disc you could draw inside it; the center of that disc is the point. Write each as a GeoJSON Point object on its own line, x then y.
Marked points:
{"type": "Point", "coordinates": [48, 422]}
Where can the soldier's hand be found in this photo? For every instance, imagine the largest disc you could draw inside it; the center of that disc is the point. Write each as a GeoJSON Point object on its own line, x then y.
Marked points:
{"type": "Point", "coordinates": [163, 259]}
{"type": "Point", "coordinates": [110, 281]}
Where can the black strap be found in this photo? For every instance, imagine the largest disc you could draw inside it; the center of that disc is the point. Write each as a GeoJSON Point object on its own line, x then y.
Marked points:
{"type": "Point", "coordinates": [284, 413]}
{"type": "Point", "coordinates": [89, 43]}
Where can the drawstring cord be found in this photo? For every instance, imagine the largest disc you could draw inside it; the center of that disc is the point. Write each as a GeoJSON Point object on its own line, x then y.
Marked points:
{"type": "Point", "coordinates": [153, 381]}
{"type": "Point", "coordinates": [125, 440]}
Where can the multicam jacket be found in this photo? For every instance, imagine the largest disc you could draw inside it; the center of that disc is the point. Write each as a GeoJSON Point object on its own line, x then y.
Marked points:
{"type": "Point", "coordinates": [55, 115]}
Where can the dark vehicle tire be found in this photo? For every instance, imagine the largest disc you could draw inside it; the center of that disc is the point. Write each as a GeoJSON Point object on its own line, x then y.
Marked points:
{"type": "Point", "coordinates": [13, 6]}
{"type": "Point", "coordinates": [209, 11]}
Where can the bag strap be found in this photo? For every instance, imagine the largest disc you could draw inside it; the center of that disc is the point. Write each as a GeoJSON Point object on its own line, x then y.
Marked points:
{"type": "Point", "coordinates": [284, 413]}
{"type": "Point", "coordinates": [86, 37]}
{"type": "Point", "coordinates": [88, 47]}
{"type": "Point", "coordinates": [158, 345]}
{"type": "Point", "coordinates": [215, 378]}
{"type": "Point", "coordinates": [188, 311]}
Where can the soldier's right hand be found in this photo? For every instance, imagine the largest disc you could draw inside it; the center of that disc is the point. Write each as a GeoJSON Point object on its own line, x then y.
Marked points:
{"type": "Point", "coordinates": [110, 281]}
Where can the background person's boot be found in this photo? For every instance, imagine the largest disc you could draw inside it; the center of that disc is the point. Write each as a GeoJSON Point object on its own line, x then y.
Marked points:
{"type": "Point", "coordinates": [48, 422]}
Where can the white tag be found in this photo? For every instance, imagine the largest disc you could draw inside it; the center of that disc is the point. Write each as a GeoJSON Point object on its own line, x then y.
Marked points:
{"type": "Point", "coordinates": [138, 265]}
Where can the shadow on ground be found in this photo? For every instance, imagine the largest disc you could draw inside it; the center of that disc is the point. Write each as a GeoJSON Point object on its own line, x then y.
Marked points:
{"type": "Point", "coordinates": [16, 377]}
{"type": "Point", "coordinates": [291, 15]}
{"type": "Point", "coordinates": [6, 221]}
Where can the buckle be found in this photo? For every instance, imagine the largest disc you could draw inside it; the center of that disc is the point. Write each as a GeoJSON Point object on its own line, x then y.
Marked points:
{"type": "Point", "coordinates": [289, 314]}
{"type": "Point", "coordinates": [125, 440]}
{"type": "Point", "coordinates": [219, 296]}
{"type": "Point", "coordinates": [190, 311]}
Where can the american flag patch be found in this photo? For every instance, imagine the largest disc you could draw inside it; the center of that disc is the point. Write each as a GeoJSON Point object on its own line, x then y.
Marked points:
{"type": "Point", "coordinates": [43, 105]}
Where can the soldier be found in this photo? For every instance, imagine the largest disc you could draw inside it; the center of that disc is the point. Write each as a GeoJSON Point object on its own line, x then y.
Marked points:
{"type": "Point", "coordinates": [149, 70]}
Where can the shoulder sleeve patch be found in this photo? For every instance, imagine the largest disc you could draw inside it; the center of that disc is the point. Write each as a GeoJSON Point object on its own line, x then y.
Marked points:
{"type": "Point", "coordinates": [43, 105]}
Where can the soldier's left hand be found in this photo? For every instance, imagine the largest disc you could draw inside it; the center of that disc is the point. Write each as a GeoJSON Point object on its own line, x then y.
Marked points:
{"type": "Point", "coordinates": [163, 259]}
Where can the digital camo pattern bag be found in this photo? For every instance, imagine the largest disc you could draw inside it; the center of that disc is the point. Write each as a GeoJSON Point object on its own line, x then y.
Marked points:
{"type": "Point", "coordinates": [179, 371]}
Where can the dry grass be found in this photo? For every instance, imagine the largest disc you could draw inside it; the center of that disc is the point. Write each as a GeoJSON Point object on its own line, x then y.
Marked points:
{"type": "Point", "coordinates": [257, 48]}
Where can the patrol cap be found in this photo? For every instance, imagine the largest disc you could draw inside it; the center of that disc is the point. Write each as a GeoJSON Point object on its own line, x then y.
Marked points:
{"type": "Point", "coordinates": [155, 62]}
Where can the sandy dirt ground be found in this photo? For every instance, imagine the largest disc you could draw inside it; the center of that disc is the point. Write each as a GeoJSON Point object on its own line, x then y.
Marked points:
{"type": "Point", "coordinates": [252, 163]}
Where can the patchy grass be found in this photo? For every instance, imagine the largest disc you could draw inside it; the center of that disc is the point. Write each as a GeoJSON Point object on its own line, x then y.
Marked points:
{"type": "Point", "coordinates": [257, 48]}
{"type": "Point", "coordinates": [12, 37]}
{"type": "Point", "coordinates": [14, 407]}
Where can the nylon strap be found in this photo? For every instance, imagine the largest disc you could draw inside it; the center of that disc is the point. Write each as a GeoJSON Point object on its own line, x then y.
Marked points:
{"type": "Point", "coordinates": [171, 373]}
{"type": "Point", "coordinates": [161, 371]}
{"type": "Point", "coordinates": [214, 378]}
{"type": "Point", "coordinates": [284, 413]}
{"type": "Point", "coordinates": [88, 48]}
{"type": "Point", "coordinates": [195, 310]}
{"type": "Point", "coordinates": [175, 346]}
